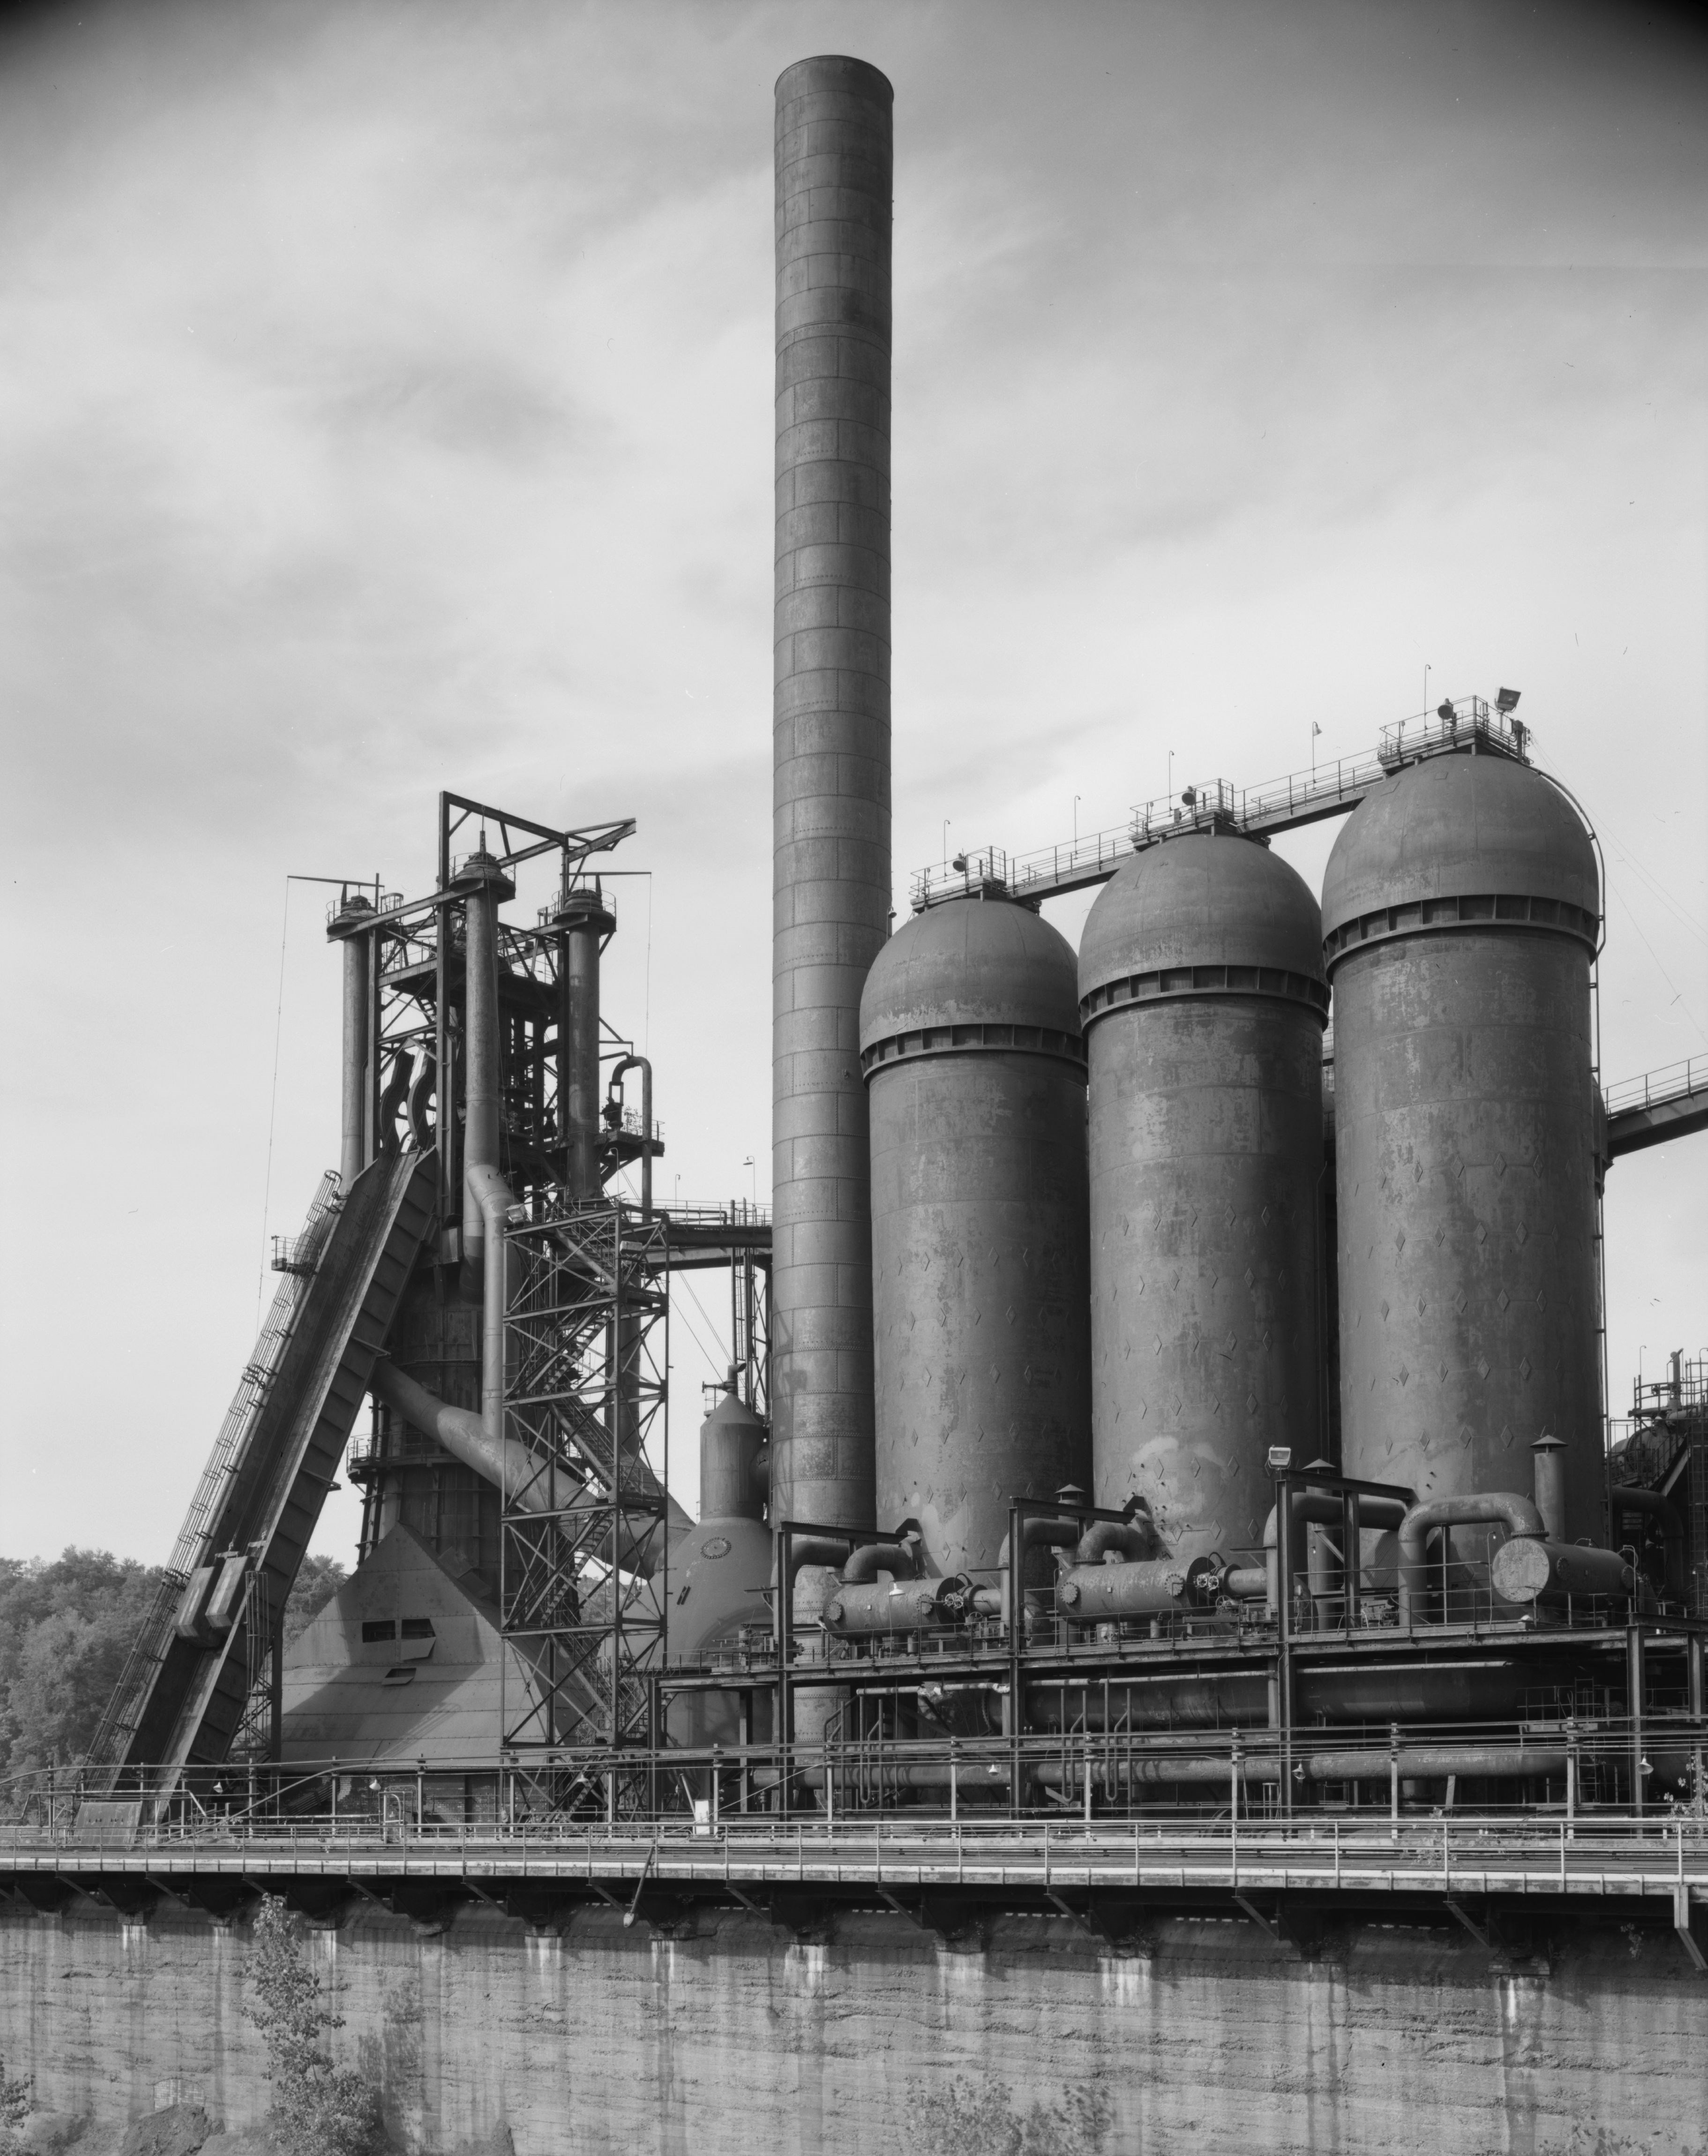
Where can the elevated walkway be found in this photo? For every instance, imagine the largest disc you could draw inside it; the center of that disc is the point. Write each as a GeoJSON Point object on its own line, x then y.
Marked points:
{"type": "Point", "coordinates": [182, 1697]}
{"type": "Point", "coordinates": [1669, 1103]}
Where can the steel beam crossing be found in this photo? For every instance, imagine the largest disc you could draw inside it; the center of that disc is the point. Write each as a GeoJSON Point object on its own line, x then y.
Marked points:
{"type": "Point", "coordinates": [1111, 1878]}
{"type": "Point", "coordinates": [1669, 1103]}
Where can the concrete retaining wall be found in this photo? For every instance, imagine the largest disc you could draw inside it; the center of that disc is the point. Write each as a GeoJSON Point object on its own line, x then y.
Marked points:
{"type": "Point", "coordinates": [737, 2039]}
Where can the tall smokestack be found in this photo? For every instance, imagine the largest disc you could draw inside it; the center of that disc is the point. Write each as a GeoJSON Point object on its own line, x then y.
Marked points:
{"type": "Point", "coordinates": [831, 718]}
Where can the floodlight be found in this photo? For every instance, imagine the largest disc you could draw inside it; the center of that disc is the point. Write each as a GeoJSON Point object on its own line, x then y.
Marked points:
{"type": "Point", "coordinates": [1506, 703]}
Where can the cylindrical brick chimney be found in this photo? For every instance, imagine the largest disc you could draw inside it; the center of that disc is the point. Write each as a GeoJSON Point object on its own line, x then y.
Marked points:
{"type": "Point", "coordinates": [831, 716]}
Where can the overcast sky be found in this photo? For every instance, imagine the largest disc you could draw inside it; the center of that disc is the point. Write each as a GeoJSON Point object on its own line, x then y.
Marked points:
{"type": "Point", "coordinates": [386, 404]}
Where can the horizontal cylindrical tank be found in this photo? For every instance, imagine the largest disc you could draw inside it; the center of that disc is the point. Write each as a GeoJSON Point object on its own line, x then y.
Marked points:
{"type": "Point", "coordinates": [970, 1043]}
{"type": "Point", "coordinates": [1203, 1001]}
{"type": "Point", "coordinates": [1460, 916]}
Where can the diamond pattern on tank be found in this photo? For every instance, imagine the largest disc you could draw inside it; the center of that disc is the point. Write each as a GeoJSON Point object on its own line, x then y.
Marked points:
{"type": "Point", "coordinates": [1520, 1234]}
{"type": "Point", "coordinates": [1483, 1365]}
{"type": "Point", "coordinates": [1482, 1232]}
{"type": "Point", "coordinates": [1524, 1367]}
{"type": "Point", "coordinates": [1506, 1435]}
{"type": "Point", "coordinates": [1503, 1300]}
{"type": "Point", "coordinates": [1399, 1240]}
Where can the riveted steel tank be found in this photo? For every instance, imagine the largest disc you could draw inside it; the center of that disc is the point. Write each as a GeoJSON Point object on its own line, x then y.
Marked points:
{"type": "Point", "coordinates": [970, 1044]}
{"type": "Point", "coordinates": [1461, 912]}
{"type": "Point", "coordinates": [1202, 1002]}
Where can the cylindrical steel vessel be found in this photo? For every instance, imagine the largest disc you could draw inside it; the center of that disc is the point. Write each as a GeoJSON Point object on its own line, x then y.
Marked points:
{"type": "Point", "coordinates": [1460, 913]}
{"type": "Point", "coordinates": [970, 1041]}
{"type": "Point", "coordinates": [484, 886]}
{"type": "Point", "coordinates": [1202, 997]}
{"type": "Point", "coordinates": [586, 922]}
{"type": "Point", "coordinates": [831, 717]}
{"type": "Point", "coordinates": [732, 1462]}
{"type": "Point", "coordinates": [350, 926]}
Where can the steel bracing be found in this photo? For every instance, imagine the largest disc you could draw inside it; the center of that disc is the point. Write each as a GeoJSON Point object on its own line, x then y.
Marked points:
{"type": "Point", "coordinates": [583, 1590]}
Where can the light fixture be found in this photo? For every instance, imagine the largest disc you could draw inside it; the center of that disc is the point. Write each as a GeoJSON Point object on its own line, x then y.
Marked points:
{"type": "Point", "coordinates": [1281, 1459]}
{"type": "Point", "coordinates": [1506, 703]}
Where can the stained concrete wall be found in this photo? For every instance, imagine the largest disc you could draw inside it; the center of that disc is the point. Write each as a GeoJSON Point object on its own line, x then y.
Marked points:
{"type": "Point", "coordinates": [740, 2040]}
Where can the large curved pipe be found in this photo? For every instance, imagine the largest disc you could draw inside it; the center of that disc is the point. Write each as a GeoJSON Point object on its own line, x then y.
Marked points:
{"type": "Point", "coordinates": [534, 1485]}
{"type": "Point", "coordinates": [615, 1092]}
{"type": "Point", "coordinates": [1326, 1510]}
{"type": "Point", "coordinates": [900, 1558]}
{"type": "Point", "coordinates": [1048, 1530]}
{"type": "Point", "coordinates": [832, 1550]}
{"type": "Point", "coordinates": [464, 1435]}
{"type": "Point", "coordinates": [1136, 1539]}
{"type": "Point", "coordinates": [1490, 1508]}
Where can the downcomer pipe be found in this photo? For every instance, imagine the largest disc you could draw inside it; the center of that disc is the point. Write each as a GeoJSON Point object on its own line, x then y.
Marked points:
{"type": "Point", "coordinates": [831, 722]}
{"type": "Point", "coordinates": [534, 1484]}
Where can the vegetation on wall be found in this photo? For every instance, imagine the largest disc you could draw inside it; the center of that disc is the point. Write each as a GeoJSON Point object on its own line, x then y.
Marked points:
{"type": "Point", "coordinates": [318, 2109]}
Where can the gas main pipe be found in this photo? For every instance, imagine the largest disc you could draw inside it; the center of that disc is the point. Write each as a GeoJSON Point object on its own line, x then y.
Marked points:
{"type": "Point", "coordinates": [889, 1774]}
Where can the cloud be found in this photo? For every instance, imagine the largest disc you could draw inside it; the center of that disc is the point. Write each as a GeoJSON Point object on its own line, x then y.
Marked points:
{"type": "Point", "coordinates": [386, 405]}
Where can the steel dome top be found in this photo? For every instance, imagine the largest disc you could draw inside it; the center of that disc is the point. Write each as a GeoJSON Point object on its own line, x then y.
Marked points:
{"type": "Point", "coordinates": [1459, 827]}
{"type": "Point", "coordinates": [1212, 898]}
{"type": "Point", "coordinates": [971, 962]}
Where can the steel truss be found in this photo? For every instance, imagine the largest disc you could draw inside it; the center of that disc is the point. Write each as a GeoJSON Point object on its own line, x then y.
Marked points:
{"type": "Point", "coordinates": [584, 1535]}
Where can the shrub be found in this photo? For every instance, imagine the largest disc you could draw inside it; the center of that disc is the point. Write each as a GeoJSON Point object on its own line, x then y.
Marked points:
{"type": "Point", "coordinates": [319, 2109]}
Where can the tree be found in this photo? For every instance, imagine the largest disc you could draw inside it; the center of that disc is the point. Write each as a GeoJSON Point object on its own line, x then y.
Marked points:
{"type": "Point", "coordinates": [14, 2108]}
{"type": "Point", "coordinates": [318, 1579]}
{"type": "Point", "coordinates": [319, 2109]}
{"type": "Point", "coordinates": [65, 1628]}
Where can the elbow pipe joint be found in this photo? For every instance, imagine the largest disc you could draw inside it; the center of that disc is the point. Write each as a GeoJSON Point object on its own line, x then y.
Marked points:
{"type": "Point", "coordinates": [1106, 1542]}
{"type": "Point", "coordinates": [900, 1558]}
{"type": "Point", "coordinates": [832, 1550]}
{"type": "Point", "coordinates": [1494, 1508]}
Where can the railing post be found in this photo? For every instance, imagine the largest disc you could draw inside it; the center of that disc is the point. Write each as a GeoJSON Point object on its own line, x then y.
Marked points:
{"type": "Point", "coordinates": [1393, 1781]}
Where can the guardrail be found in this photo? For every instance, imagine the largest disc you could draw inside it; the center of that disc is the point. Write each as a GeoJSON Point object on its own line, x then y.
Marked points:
{"type": "Point", "coordinates": [1656, 1089]}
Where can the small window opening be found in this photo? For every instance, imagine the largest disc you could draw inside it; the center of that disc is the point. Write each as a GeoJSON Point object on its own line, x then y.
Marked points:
{"type": "Point", "coordinates": [378, 1628]}
{"type": "Point", "coordinates": [417, 1628]}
